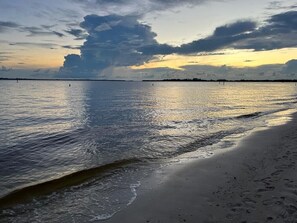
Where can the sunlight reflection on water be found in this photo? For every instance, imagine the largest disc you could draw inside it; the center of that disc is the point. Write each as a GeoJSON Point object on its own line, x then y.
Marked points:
{"type": "Point", "coordinates": [48, 130]}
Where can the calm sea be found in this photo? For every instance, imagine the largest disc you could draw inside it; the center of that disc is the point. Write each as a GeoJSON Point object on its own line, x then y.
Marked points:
{"type": "Point", "coordinates": [77, 153]}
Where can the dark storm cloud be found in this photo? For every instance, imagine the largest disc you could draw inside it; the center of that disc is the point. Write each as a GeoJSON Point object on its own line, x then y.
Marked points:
{"type": "Point", "coordinates": [280, 31]}
{"type": "Point", "coordinates": [112, 41]}
{"type": "Point", "coordinates": [287, 21]}
{"type": "Point", "coordinates": [115, 41]}
{"type": "Point", "coordinates": [223, 36]}
{"type": "Point", "coordinates": [290, 67]}
{"type": "Point", "coordinates": [235, 28]}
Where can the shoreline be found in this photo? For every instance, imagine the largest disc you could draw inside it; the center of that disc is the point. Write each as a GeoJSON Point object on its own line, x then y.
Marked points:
{"type": "Point", "coordinates": [255, 182]}
{"type": "Point", "coordinates": [153, 80]}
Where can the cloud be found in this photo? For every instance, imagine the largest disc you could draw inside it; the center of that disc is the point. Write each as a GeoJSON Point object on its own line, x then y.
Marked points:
{"type": "Point", "coordinates": [5, 56]}
{"type": "Point", "coordinates": [280, 5]}
{"type": "Point", "coordinates": [28, 73]}
{"type": "Point", "coordinates": [37, 31]}
{"type": "Point", "coordinates": [279, 31]}
{"type": "Point", "coordinates": [210, 54]}
{"type": "Point", "coordinates": [37, 70]}
{"type": "Point", "coordinates": [290, 67]}
{"type": "Point", "coordinates": [6, 25]}
{"type": "Point", "coordinates": [58, 34]}
{"type": "Point", "coordinates": [270, 71]}
{"type": "Point", "coordinates": [115, 41]}
{"type": "Point", "coordinates": [71, 47]}
{"type": "Point", "coordinates": [33, 44]}
{"type": "Point", "coordinates": [223, 37]}
{"type": "Point", "coordinates": [78, 33]}
{"type": "Point", "coordinates": [132, 7]}
{"type": "Point", "coordinates": [43, 30]}
{"type": "Point", "coordinates": [5, 69]}
{"type": "Point", "coordinates": [235, 28]}
{"type": "Point", "coordinates": [116, 46]}
{"type": "Point", "coordinates": [48, 26]}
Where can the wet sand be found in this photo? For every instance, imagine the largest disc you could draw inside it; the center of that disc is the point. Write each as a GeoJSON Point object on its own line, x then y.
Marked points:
{"type": "Point", "coordinates": [255, 182]}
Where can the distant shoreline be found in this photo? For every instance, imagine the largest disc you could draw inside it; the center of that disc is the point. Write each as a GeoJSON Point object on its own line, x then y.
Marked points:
{"type": "Point", "coordinates": [55, 79]}
{"type": "Point", "coordinates": [219, 80]}
{"type": "Point", "coordinates": [161, 80]}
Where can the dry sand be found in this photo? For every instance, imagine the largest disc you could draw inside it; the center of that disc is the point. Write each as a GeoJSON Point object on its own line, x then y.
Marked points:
{"type": "Point", "coordinates": [255, 182]}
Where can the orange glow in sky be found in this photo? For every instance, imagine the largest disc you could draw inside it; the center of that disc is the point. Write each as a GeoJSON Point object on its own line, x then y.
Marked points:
{"type": "Point", "coordinates": [234, 58]}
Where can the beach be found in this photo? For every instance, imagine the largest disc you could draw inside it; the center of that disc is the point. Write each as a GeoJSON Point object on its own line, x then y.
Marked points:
{"type": "Point", "coordinates": [137, 152]}
{"type": "Point", "coordinates": [254, 182]}
{"type": "Point", "coordinates": [131, 111]}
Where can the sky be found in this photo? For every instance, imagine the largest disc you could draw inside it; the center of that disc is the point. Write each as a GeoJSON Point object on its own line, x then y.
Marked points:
{"type": "Point", "coordinates": [148, 39]}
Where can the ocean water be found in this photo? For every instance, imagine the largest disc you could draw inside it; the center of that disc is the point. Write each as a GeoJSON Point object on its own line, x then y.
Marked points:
{"type": "Point", "coordinates": [78, 153]}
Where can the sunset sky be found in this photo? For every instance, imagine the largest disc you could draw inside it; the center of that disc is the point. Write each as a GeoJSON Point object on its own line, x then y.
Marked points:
{"type": "Point", "coordinates": [148, 39]}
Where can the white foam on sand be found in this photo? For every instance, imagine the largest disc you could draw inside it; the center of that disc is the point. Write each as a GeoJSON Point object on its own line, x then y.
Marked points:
{"type": "Point", "coordinates": [133, 188]}
{"type": "Point", "coordinates": [103, 217]}
{"type": "Point", "coordinates": [256, 182]}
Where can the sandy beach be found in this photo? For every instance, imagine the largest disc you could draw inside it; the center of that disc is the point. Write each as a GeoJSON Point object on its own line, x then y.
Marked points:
{"type": "Point", "coordinates": [255, 182]}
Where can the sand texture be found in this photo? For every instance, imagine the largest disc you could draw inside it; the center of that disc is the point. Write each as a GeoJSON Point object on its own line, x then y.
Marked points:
{"type": "Point", "coordinates": [255, 182]}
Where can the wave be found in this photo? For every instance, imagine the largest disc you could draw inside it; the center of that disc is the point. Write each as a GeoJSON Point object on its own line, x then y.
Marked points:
{"type": "Point", "coordinates": [250, 115]}
{"type": "Point", "coordinates": [216, 137]}
{"type": "Point", "coordinates": [27, 193]}
{"type": "Point", "coordinates": [286, 103]}
{"type": "Point", "coordinates": [258, 114]}
{"type": "Point", "coordinates": [244, 116]}
{"type": "Point", "coordinates": [206, 141]}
